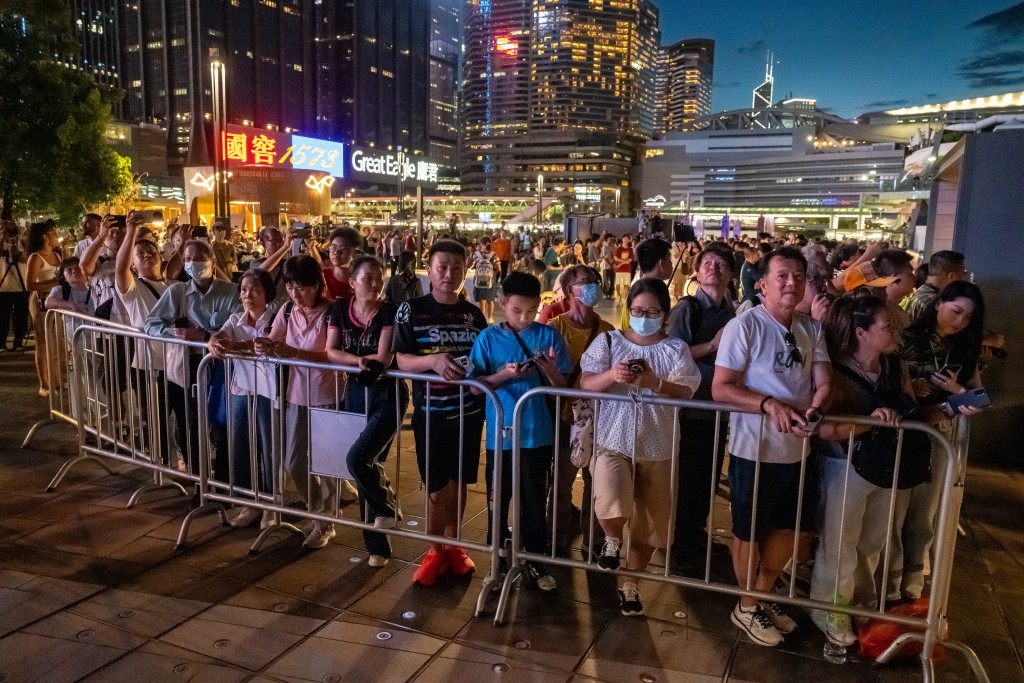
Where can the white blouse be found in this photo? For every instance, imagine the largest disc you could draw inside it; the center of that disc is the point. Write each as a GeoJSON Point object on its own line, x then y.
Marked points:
{"type": "Point", "coordinates": [621, 424]}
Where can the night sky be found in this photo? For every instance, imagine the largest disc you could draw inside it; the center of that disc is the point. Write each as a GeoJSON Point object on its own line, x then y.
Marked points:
{"type": "Point", "coordinates": [854, 56]}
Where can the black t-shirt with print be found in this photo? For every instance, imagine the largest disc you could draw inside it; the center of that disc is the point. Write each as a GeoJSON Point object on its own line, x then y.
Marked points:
{"type": "Point", "coordinates": [354, 338]}
{"type": "Point", "coordinates": [425, 327]}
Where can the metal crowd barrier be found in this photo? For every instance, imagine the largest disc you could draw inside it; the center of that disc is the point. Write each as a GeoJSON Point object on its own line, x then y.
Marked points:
{"type": "Point", "coordinates": [122, 412]}
{"type": "Point", "coordinates": [62, 367]}
{"type": "Point", "coordinates": [950, 465]}
{"type": "Point", "coordinates": [217, 490]}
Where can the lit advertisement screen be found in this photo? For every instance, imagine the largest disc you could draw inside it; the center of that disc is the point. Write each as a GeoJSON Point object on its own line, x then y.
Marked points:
{"type": "Point", "coordinates": [241, 146]}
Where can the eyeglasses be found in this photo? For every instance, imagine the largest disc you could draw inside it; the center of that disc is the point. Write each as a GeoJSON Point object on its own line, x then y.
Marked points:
{"type": "Point", "coordinates": [646, 313]}
{"type": "Point", "coordinates": [794, 352]}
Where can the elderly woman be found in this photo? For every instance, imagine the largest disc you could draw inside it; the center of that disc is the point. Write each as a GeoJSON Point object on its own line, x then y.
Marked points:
{"type": "Point", "coordinates": [632, 463]}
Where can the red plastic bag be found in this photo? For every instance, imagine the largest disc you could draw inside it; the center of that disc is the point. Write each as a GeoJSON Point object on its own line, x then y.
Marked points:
{"type": "Point", "coordinates": [876, 635]}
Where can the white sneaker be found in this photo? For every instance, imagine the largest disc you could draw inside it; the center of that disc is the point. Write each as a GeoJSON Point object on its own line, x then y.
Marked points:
{"type": "Point", "coordinates": [609, 557]}
{"type": "Point", "coordinates": [756, 624]}
{"type": "Point", "coordinates": [246, 517]}
{"type": "Point", "coordinates": [267, 520]}
{"type": "Point", "coordinates": [384, 522]}
{"type": "Point", "coordinates": [320, 534]}
{"type": "Point", "coordinates": [839, 629]}
{"type": "Point", "coordinates": [782, 621]}
{"type": "Point", "coordinates": [347, 491]}
{"type": "Point", "coordinates": [377, 561]}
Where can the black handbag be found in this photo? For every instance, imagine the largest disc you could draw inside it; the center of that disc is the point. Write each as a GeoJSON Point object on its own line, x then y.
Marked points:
{"type": "Point", "coordinates": [874, 452]}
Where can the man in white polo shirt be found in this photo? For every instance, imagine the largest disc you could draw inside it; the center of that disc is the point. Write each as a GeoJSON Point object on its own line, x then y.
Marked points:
{"type": "Point", "coordinates": [771, 359]}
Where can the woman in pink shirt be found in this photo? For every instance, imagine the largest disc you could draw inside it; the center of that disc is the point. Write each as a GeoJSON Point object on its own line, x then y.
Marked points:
{"type": "Point", "coordinates": [300, 332]}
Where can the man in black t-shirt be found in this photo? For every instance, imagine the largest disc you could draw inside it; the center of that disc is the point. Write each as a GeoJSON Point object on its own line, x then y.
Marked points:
{"type": "Point", "coordinates": [434, 333]}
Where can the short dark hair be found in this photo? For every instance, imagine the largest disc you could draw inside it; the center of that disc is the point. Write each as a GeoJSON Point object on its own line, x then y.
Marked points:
{"type": "Point", "coordinates": [892, 261]}
{"type": "Point", "coordinates": [62, 279]}
{"type": "Point", "coordinates": [304, 271]}
{"type": "Point", "coordinates": [945, 262]}
{"type": "Point", "coordinates": [265, 280]}
{"type": "Point", "coordinates": [650, 252]}
{"type": "Point", "coordinates": [572, 274]}
{"type": "Point", "coordinates": [446, 247]}
{"type": "Point", "coordinates": [518, 283]}
{"type": "Point", "coordinates": [91, 217]}
{"type": "Point", "coordinates": [718, 249]}
{"type": "Point", "coordinates": [347, 234]}
{"type": "Point", "coordinates": [148, 245]}
{"type": "Point", "coordinates": [786, 253]}
{"type": "Point", "coordinates": [537, 266]}
{"type": "Point", "coordinates": [650, 285]}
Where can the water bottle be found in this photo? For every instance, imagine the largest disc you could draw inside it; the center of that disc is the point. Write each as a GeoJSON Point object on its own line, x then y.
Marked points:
{"type": "Point", "coordinates": [833, 652]}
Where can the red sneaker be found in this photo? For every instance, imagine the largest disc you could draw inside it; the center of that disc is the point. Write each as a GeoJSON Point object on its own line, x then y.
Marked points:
{"type": "Point", "coordinates": [459, 560]}
{"type": "Point", "coordinates": [435, 563]}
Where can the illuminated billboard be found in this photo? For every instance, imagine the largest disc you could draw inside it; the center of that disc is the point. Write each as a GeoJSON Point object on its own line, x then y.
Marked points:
{"type": "Point", "coordinates": [243, 146]}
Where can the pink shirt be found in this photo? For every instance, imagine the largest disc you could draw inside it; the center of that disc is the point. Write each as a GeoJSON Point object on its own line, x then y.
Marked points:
{"type": "Point", "coordinates": [308, 331]}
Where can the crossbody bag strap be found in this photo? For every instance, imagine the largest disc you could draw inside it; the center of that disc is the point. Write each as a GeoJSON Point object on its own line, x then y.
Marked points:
{"type": "Point", "coordinates": [526, 351]}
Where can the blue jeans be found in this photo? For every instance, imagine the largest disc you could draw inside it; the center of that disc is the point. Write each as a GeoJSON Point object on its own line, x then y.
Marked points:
{"type": "Point", "coordinates": [241, 455]}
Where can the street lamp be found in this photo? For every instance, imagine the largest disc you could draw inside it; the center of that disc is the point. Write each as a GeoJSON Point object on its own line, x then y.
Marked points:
{"type": "Point", "coordinates": [540, 198]}
{"type": "Point", "coordinates": [400, 203]}
{"type": "Point", "coordinates": [221, 205]}
{"type": "Point", "coordinates": [618, 196]}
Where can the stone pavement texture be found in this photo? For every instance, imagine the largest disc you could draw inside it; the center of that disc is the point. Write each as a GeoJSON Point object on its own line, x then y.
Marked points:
{"type": "Point", "coordinates": [92, 591]}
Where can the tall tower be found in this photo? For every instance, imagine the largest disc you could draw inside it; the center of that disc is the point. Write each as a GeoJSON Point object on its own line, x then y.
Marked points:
{"type": "Point", "coordinates": [559, 88]}
{"type": "Point", "coordinates": [445, 54]}
{"type": "Point", "coordinates": [763, 92]}
{"type": "Point", "coordinates": [689, 70]}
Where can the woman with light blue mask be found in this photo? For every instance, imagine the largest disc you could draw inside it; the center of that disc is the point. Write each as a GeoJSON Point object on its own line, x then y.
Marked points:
{"type": "Point", "coordinates": [635, 441]}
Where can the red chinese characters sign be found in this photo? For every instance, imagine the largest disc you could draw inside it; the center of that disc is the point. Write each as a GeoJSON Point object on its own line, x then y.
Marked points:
{"type": "Point", "coordinates": [243, 146]}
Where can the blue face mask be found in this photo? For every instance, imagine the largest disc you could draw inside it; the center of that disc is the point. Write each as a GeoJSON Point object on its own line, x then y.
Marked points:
{"type": "Point", "coordinates": [645, 327]}
{"type": "Point", "coordinates": [589, 293]}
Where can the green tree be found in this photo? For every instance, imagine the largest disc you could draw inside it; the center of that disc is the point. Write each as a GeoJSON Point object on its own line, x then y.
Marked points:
{"type": "Point", "coordinates": [54, 156]}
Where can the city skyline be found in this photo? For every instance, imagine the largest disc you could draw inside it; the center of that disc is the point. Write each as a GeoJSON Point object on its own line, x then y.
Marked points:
{"type": "Point", "coordinates": [951, 51]}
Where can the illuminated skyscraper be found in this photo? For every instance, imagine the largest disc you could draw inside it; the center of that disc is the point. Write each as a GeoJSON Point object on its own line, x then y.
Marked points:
{"type": "Point", "coordinates": [688, 70]}
{"type": "Point", "coordinates": [95, 25]}
{"type": "Point", "coordinates": [445, 54]}
{"type": "Point", "coordinates": [763, 92]}
{"type": "Point", "coordinates": [559, 88]}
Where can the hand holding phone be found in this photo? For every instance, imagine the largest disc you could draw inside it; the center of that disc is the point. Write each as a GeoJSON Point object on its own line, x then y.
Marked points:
{"type": "Point", "coordinates": [972, 398]}
{"type": "Point", "coordinates": [814, 418]}
{"type": "Point", "coordinates": [637, 365]}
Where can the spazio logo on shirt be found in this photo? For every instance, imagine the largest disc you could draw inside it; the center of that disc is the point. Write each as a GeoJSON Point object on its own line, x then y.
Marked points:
{"type": "Point", "coordinates": [451, 336]}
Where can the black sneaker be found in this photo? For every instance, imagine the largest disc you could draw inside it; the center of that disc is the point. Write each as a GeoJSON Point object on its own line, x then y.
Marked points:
{"type": "Point", "coordinates": [609, 557]}
{"type": "Point", "coordinates": [629, 601]}
{"type": "Point", "coordinates": [536, 574]}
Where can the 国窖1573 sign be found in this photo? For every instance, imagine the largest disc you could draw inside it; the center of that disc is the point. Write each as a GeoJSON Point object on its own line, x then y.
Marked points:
{"type": "Point", "coordinates": [241, 146]}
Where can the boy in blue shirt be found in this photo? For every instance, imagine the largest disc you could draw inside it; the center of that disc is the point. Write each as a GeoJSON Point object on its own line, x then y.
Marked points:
{"type": "Point", "coordinates": [513, 358]}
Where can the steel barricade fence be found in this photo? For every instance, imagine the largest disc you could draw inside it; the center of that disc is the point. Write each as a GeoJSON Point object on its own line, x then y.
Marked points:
{"type": "Point", "coordinates": [242, 479]}
{"type": "Point", "coordinates": [62, 370]}
{"type": "Point", "coordinates": [131, 411]}
{"type": "Point", "coordinates": [948, 465]}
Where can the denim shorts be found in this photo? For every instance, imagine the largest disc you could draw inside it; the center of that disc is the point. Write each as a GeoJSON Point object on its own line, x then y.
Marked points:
{"type": "Point", "coordinates": [777, 497]}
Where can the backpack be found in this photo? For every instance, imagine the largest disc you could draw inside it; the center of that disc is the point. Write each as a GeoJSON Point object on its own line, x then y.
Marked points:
{"type": "Point", "coordinates": [484, 273]}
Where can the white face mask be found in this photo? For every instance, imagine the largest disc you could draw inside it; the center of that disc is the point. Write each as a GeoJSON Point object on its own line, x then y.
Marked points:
{"type": "Point", "coordinates": [199, 270]}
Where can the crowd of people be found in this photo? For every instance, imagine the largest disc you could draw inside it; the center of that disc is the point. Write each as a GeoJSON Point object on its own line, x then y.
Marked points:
{"type": "Point", "coordinates": [785, 332]}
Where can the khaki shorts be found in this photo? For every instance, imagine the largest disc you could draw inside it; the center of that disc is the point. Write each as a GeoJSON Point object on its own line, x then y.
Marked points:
{"type": "Point", "coordinates": [647, 504]}
{"type": "Point", "coordinates": [623, 279]}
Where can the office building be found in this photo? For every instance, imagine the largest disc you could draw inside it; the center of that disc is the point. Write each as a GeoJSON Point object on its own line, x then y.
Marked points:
{"type": "Point", "coordinates": [95, 26]}
{"type": "Point", "coordinates": [445, 55]}
{"type": "Point", "coordinates": [354, 72]}
{"type": "Point", "coordinates": [562, 89]}
{"type": "Point", "coordinates": [685, 77]}
{"type": "Point", "coordinates": [782, 161]}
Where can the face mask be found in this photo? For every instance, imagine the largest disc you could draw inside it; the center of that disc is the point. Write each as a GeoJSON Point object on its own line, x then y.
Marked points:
{"type": "Point", "coordinates": [589, 293]}
{"type": "Point", "coordinates": [199, 270]}
{"type": "Point", "coordinates": [645, 327]}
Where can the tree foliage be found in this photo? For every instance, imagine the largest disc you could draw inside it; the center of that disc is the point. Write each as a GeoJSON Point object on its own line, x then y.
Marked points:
{"type": "Point", "coordinates": [54, 156]}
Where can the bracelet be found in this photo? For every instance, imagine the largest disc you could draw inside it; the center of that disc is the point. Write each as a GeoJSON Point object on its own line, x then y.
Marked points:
{"type": "Point", "coordinates": [657, 389]}
{"type": "Point", "coordinates": [764, 400]}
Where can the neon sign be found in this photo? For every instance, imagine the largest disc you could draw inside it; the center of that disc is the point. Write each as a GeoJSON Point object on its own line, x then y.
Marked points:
{"type": "Point", "coordinates": [265, 148]}
{"type": "Point", "coordinates": [388, 165]}
{"type": "Point", "coordinates": [507, 46]}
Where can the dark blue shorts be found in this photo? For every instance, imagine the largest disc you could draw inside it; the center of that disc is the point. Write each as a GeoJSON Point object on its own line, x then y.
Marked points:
{"type": "Point", "coordinates": [777, 497]}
